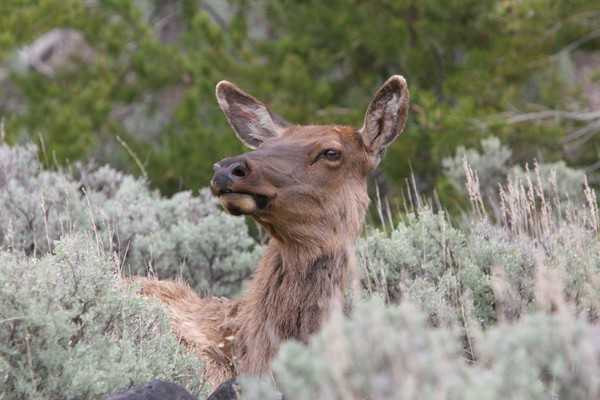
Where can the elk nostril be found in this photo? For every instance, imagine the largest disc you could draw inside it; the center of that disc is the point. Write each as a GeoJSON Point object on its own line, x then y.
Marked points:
{"type": "Point", "coordinates": [239, 171]}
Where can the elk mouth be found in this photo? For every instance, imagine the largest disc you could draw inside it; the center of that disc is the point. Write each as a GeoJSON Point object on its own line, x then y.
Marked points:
{"type": "Point", "coordinates": [238, 203]}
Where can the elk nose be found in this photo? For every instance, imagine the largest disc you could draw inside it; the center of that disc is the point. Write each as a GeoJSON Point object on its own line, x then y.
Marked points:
{"type": "Point", "coordinates": [233, 170]}
{"type": "Point", "coordinates": [227, 172]}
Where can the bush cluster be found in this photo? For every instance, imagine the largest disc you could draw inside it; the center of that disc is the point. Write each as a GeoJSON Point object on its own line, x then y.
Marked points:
{"type": "Point", "coordinates": [488, 307]}
{"type": "Point", "coordinates": [70, 330]}
{"type": "Point", "coordinates": [503, 306]}
{"type": "Point", "coordinates": [485, 275]}
{"type": "Point", "coordinates": [181, 235]}
{"type": "Point", "coordinates": [494, 168]}
{"type": "Point", "coordinates": [385, 352]}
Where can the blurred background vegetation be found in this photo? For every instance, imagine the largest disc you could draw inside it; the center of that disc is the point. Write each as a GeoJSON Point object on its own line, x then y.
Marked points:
{"type": "Point", "coordinates": [505, 297]}
{"type": "Point", "coordinates": [80, 78]}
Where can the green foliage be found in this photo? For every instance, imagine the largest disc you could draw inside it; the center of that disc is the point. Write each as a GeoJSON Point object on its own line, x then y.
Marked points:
{"type": "Point", "coordinates": [137, 82]}
{"type": "Point", "coordinates": [70, 330]}
{"type": "Point", "coordinates": [539, 254]}
{"type": "Point", "coordinates": [492, 168]}
{"type": "Point", "coordinates": [491, 308]}
{"type": "Point", "coordinates": [382, 352]}
{"type": "Point", "coordinates": [150, 68]}
{"type": "Point", "coordinates": [420, 262]}
{"type": "Point", "coordinates": [391, 353]}
{"type": "Point", "coordinates": [182, 235]}
{"type": "Point", "coordinates": [467, 63]}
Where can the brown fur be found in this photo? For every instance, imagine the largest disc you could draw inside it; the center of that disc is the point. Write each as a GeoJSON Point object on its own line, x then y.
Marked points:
{"type": "Point", "coordinates": [313, 205]}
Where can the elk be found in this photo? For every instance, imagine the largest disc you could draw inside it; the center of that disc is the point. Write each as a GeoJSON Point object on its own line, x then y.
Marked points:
{"type": "Point", "coordinates": [307, 186]}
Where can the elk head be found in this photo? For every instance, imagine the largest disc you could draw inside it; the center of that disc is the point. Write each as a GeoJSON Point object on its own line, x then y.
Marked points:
{"type": "Point", "coordinates": [304, 183]}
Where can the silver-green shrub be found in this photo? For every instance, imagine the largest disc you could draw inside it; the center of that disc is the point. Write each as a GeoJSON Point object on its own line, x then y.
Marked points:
{"type": "Point", "coordinates": [390, 352]}
{"type": "Point", "coordinates": [428, 262]}
{"type": "Point", "coordinates": [539, 357]}
{"type": "Point", "coordinates": [36, 206]}
{"type": "Point", "coordinates": [500, 305]}
{"type": "Point", "coordinates": [539, 250]}
{"type": "Point", "coordinates": [421, 261]}
{"type": "Point", "coordinates": [70, 330]}
{"type": "Point", "coordinates": [380, 353]}
{"type": "Point", "coordinates": [491, 273]}
{"type": "Point", "coordinates": [183, 235]}
{"type": "Point", "coordinates": [491, 165]}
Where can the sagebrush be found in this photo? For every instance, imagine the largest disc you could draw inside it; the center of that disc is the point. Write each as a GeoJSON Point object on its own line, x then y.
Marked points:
{"type": "Point", "coordinates": [501, 302]}
{"type": "Point", "coordinates": [70, 330]}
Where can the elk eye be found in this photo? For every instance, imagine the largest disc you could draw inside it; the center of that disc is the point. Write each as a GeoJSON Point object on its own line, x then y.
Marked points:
{"type": "Point", "coordinates": [331, 155]}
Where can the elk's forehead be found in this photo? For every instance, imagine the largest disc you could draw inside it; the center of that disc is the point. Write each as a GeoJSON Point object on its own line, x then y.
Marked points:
{"type": "Point", "coordinates": [316, 135]}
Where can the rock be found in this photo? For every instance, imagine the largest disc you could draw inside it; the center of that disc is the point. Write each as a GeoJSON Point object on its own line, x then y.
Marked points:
{"type": "Point", "coordinates": [154, 390]}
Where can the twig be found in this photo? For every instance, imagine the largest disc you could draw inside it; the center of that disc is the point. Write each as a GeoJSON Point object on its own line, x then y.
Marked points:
{"type": "Point", "coordinates": [379, 207]}
{"type": "Point", "coordinates": [30, 362]}
{"type": "Point", "coordinates": [513, 118]}
{"type": "Point", "coordinates": [591, 168]}
{"type": "Point", "coordinates": [215, 15]}
{"type": "Point", "coordinates": [99, 245]}
{"type": "Point", "coordinates": [13, 318]}
{"type": "Point", "coordinates": [44, 152]}
{"type": "Point", "coordinates": [45, 212]}
{"type": "Point", "coordinates": [555, 114]}
{"type": "Point", "coordinates": [2, 132]}
{"type": "Point", "coordinates": [583, 133]}
{"type": "Point", "coordinates": [134, 156]}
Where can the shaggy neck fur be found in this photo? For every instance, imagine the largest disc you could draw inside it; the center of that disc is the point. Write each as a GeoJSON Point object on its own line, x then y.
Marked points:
{"type": "Point", "coordinates": [283, 303]}
{"type": "Point", "coordinates": [295, 289]}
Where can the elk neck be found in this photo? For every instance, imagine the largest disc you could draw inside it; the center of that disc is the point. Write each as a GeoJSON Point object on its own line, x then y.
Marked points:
{"type": "Point", "coordinates": [301, 277]}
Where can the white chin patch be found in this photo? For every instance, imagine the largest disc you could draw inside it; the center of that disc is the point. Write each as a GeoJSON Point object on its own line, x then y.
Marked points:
{"type": "Point", "coordinates": [238, 204]}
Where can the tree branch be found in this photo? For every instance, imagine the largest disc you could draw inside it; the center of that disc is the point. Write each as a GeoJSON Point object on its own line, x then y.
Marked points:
{"type": "Point", "coordinates": [567, 49]}
{"type": "Point", "coordinates": [554, 114]}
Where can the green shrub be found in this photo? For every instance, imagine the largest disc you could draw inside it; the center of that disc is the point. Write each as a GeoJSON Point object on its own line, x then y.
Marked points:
{"type": "Point", "coordinates": [70, 330]}
{"type": "Point", "coordinates": [538, 252]}
{"type": "Point", "coordinates": [491, 164]}
{"type": "Point", "coordinates": [381, 352]}
{"type": "Point", "coordinates": [36, 206]}
{"type": "Point", "coordinates": [420, 262]}
{"type": "Point", "coordinates": [390, 352]}
{"type": "Point", "coordinates": [493, 168]}
{"type": "Point", "coordinates": [67, 330]}
{"type": "Point", "coordinates": [488, 275]}
{"type": "Point", "coordinates": [182, 235]}
{"type": "Point", "coordinates": [539, 357]}
{"type": "Point", "coordinates": [487, 308]}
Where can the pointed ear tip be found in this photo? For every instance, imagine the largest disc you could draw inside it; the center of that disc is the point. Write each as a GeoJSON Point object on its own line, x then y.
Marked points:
{"type": "Point", "coordinates": [223, 85]}
{"type": "Point", "coordinates": [399, 80]}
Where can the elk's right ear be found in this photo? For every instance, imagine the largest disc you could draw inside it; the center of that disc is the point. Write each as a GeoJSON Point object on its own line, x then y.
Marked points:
{"type": "Point", "coordinates": [385, 117]}
{"type": "Point", "coordinates": [251, 120]}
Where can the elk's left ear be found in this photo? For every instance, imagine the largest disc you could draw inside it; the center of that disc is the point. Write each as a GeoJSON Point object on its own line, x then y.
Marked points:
{"type": "Point", "coordinates": [386, 116]}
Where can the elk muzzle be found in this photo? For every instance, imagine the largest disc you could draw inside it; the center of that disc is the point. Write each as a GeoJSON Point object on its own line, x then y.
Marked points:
{"type": "Point", "coordinates": [237, 187]}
